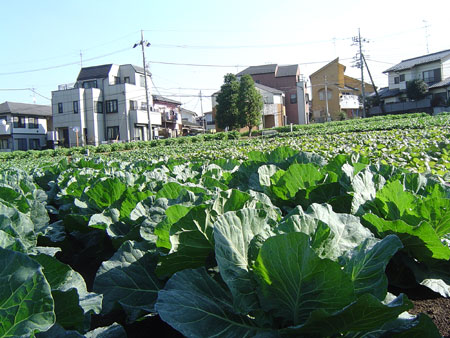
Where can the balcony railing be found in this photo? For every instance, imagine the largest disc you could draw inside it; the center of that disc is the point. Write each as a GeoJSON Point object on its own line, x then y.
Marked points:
{"type": "Point", "coordinates": [349, 102]}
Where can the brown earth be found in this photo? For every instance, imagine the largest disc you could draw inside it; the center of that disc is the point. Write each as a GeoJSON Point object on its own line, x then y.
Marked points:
{"type": "Point", "coordinates": [433, 305]}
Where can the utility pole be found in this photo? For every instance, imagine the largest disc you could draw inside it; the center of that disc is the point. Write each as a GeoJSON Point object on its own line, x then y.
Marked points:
{"type": "Point", "coordinates": [373, 85]}
{"type": "Point", "coordinates": [358, 41]}
{"type": "Point", "coordinates": [326, 99]}
{"type": "Point", "coordinates": [201, 109]}
{"type": "Point", "coordinates": [145, 43]}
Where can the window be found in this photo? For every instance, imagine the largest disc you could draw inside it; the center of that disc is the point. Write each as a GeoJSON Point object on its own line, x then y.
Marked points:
{"type": "Point", "coordinates": [323, 97]}
{"type": "Point", "coordinates": [112, 133]}
{"type": "Point", "coordinates": [111, 106]}
{"type": "Point", "coordinates": [133, 105]}
{"type": "Point", "coordinates": [4, 144]}
{"type": "Point", "coordinates": [116, 80]}
{"type": "Point", "coordinates": [90, 84]}
{"type": "Point", "coordinates": [98, 106]}
{"type": "Point", "coordinates": [35, 144]}
{"type": "Point", "coordinates": [142, 81]}
{"type": "Point", "coordinates": [19, 122]}
{"type": "Point", "coordinates": [33, 123]}
{"type": "Point", "coordinates": [126, 79]}
{"type": "Point", "coordinates": [21, 143]}
{"type": "Point", "coordinates": [402, 78]}
{"type": "Point", "coordinates": [60, 108]}
{"type": "Point", "coordinates": [75, 107]}
{"type": "Point", "coordinates": [432, 76]}
{"type": "Point", "coordinates": [396, 80]}
{"type": "Point", "coordinates": [293, 98]}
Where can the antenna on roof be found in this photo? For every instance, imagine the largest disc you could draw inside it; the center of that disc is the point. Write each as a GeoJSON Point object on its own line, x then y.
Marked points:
{"type": "Point", "coordinates": [81, 59]}
{"type": "Point", "coordinates": [426, 33]}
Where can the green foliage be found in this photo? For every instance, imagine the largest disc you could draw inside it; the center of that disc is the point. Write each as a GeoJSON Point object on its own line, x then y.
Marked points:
{"type": "Point", "coordinates": [416, 89]}
{"type": "Point", "coordinates": [227, 113]}
{"type": "Point", "coordinates": [250, 104]}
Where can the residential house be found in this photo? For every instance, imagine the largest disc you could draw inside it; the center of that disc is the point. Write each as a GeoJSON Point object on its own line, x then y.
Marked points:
{"type": "Point", "coordinates": [333, 92]}
{"type": "Point", "coordinates": [273, 113]}
{"type": "Point", "coordinates": [286, 78]}
{"type": "Point", "coordinates": [107, 103]}
{"type": "Point", "coordinates": [190, 122]}
{"type": "Point", "coordinates": [24, 126]}
{"type": "Point", "coordinates": [209, 120]}
{"type": "Point", "coordinates": [170, 115]}
{"type": "Point", "coordinates": [433, 69]}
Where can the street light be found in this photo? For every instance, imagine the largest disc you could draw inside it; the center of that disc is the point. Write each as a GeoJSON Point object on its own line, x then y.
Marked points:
{"type": "Point", "coordinates": [144, 43]}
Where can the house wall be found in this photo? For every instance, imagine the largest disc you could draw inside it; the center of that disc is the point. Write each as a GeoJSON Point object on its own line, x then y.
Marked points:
{"type": "Point", "coordinates": [412, 74]}
{"type": "Point", "coordinates": [445, 67]}
{"type": "Point", "coordinates": [287, 84]}
{"type": "Point", "coordinates": [334, 75]}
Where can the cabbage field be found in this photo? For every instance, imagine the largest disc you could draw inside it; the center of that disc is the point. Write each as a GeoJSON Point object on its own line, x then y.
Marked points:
{"type": "Point", "coordinates": [303, 234]}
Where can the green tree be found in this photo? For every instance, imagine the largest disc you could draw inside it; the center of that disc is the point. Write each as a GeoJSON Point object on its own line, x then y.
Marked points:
{"type": "Point", "coordinates": [416, 89]}
{"type": "Point", "coordinates": [227, 110]}
{"type": "Point", "coordinates": [250, 104]}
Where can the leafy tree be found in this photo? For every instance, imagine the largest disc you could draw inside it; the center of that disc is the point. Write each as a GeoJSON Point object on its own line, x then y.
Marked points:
{"type": "Point", "coordinates": [250, 104]}
{"type": "Point", "coordinates": [416, 89]}
{"type": "Point", "coordinates": [227, 110]}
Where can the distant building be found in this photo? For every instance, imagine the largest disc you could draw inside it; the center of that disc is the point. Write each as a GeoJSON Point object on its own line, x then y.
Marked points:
{"type": "Point", "coordinates": [106, 104]}
{"type": "Point", "coordinates": [190, 121]}
{"type": "Point", "coordinates": [433, 69]}
{"type": "Point", "coordinates": [341, 94]}
{"type": "Point", "coordinates": [286, 78]}
{"type": "Point", "coordinates": [24, 126]}
{"type": "Point", "coordinates": [170, 115]}
{"type": "Point", "coordinates": [209, 120]}
{"type": "Point", "coordinates": [273, 114]}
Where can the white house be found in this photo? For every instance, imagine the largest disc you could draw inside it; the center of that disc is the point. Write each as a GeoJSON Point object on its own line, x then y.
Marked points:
{"type": "Point", "coordinates": [107, 103]}
{"type": "Point", "coordinates": [433, 69]}
{"type": "Point", "coordinates": [24, 126]}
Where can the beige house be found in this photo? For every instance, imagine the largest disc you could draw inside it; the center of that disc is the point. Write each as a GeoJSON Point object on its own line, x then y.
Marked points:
{"type": "Point", "coordinates": [334, 92]}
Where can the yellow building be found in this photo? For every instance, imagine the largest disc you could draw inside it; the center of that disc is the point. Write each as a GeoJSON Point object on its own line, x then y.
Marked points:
{"type": "Point", "coordinates": [342, 94]}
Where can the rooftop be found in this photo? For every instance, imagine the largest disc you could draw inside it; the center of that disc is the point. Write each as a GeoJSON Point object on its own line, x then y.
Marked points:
{"type": "Point", "coordinates": [279, 71]}
{"type": "Point", "coordinates": [95, 72]}
{"type": "Point", "coordinates": [165, 99]}
{"type": "Point", "coordinates": [420, 60]}
{"type": "Point", "coordinates": [25, 109]}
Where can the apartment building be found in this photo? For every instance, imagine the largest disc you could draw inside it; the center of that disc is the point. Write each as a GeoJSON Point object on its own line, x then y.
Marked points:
{"type": "Point", "coordinates": [107, 103]}
{"type": "Point", "coordinates": [333, 92]}
{"type": "Point", "coordinates": [286, 78]}
{"type": "Point", "coordinates": [24, 126]}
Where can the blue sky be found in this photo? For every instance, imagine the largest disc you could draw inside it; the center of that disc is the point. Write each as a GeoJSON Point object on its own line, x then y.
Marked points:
{"type": "Point", "coordinates": [42, 40]}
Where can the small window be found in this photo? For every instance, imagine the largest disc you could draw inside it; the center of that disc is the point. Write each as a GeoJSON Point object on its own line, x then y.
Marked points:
{"type": "Point", "coordinates": [113, 133]}
{"type": "Point", "coordinates": [4, 144]}
{"type": "Point", "coordinates": [116, 80]}
{"type": "Point", "coordinates": [133, 105]}
{"type": "Point", "coordinates": [35, 144]}
{"type": "Point", "coordinates": [33, 123]}
{"type": "Point", "coordinates": [142, 81]}
{"type": "Point", "coordinates": [99, 107]}
{"type": "Point", "coordinates": [293, 98]}
{"type": "Point", "coordinates": [126, 79]}
{"type": "Point", "coordinates": [111, 106]}
{"type": "Point", "coordinates": [75, 107]}
{"type": "Point", "coordinates": [19, 122]}
{"type": "Point", "coordinates": [21, 143]}
{"type": "Point", "coordinates": [396, 80]}
{"type": "Point", "coordinates": [90, 84]}
{"type": "Point", "coordinates": [323, 97]}
{"type": "Point", "coordinates": [402, 78]}
{"type": "Point", "coordinates": [60, 108]}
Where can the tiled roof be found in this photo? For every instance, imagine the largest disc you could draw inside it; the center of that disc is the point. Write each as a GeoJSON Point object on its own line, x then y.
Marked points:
{"type": "Point", "coordinates": [386, 92]}
{"type": "Point", "coordinates": [25, 109]}
{"type": "Point", "coordinates": [263, 69]}
{"type": "Point", "coordinates": [279, 71]}
{"type": "Point", "coordinates": [268, 89]}
{"type": "Point", "coordinates": [443, 83]}
{"type": "Point", "coordinates": [165, 99]}
{"type": "Point", "coordinates": [288, 70]}
{"type": "Point", "coordinates": [95, 72]}
{"type": "Point", "coordinates": [410, 63]}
